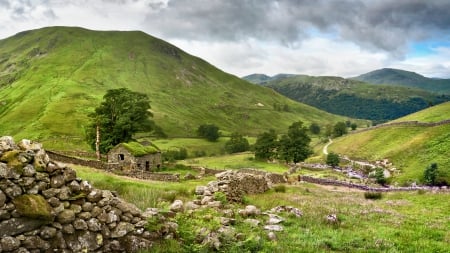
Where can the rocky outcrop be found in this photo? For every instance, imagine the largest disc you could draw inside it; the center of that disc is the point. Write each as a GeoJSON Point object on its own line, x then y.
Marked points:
{"type": "Point", "coordinates": [45, 207]}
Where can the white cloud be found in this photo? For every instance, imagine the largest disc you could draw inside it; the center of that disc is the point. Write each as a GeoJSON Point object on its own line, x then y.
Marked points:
{"type": "Point", "coordinates": [262, 36]}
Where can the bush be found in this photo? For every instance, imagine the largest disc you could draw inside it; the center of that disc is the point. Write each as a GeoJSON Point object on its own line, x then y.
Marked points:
{"type": "Point", "coordinates": [209, 132]}
{"type": "Point", "coordinates": [430, 174]}
{"type": "Point", "coordinates": [379, 176]}
{"type": "Point", "coordinates": [280, 188]}
{"type": "Point", "coordinates": [373, 195]}
{"type": "Point", "coordinates": [237, 143]}
{"type": "Point", "coordinates": [332, 159]}
{"type": "Point", "coordinates": [175, 154]}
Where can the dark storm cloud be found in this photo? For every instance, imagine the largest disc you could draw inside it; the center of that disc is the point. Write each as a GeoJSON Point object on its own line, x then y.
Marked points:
{"type": "Point", "coordinates": [378, 24]}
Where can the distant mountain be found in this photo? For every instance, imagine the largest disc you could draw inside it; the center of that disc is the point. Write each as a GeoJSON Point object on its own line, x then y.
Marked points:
{"type": "Point", "coordinates": [52, 78]}
{"type": "Point", "coordinates": [264, 79]}
{"type": "Point", "coordinates": [356, 99]}
{"type": "Point", "coordinates": [257, 78]}
{"type": "Point", "coordinates": [390, 76]}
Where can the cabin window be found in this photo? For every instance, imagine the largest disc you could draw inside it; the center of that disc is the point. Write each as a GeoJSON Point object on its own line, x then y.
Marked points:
{"type": "Point", "coordinates": [147, 165]}
{"type": "Point", "coordinates": [121, 157]}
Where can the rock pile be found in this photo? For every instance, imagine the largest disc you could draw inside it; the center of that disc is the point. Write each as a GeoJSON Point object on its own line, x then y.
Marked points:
{"type": "Point", "coordinates": [234, 184]}
{"type": "Point", "coordinates": [44, 207]}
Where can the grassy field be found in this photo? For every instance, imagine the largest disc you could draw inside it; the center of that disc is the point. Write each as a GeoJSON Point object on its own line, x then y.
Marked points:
{"type": "Point", "coordinates": [410, 148]}
{"type": "Point", "coordinates": [236, 161]}
{"type": "Point", "coordinates": [433, 114]}
{"type": "Point", "coordinates": [399, 222]}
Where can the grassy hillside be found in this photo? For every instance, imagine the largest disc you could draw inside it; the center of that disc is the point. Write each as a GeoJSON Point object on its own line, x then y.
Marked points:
{"type": "Point", "coordinates": [410, 148]}
{"type": "Point", "coordinates": [51, 78]}
{"type": "Point", "coordinates": [433, 114]}
{"type": "Point", "coordinates": [354, 98]}
{"type": "Point", "coordinates": [406, 78]}
{"type": "Point", "coordinates": [399, 222]}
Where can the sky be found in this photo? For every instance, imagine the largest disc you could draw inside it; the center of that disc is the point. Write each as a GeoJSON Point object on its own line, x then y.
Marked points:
{"type": "Point", "coordinates": [313, 37]}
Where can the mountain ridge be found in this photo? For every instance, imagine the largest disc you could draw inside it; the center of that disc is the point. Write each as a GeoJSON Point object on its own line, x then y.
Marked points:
{"type": "Point", "coordinates": [52, 78]}
{"type": "Point", "coordinates": [391, 76]}
{"type": "Point", "coordinates": [353, 98]}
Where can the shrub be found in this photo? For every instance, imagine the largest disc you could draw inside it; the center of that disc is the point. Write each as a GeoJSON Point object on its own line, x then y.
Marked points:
{"type": "Point", "coordinates": [237, 143]}
{"type": "Point", "coordinates": [373, 195]}
{"type": "Point", "coordinates": [280, 188]}
{"type": "Point", "coordinates": [430, 174]}
{"type": "Point", "coordinates": [379, 176]}
{"type": "Point", "coordinates": [209, 132]}
{"type": "Point", "coordinates": [175, 154]}
{"type": "Point", "coordinates": [332, 159]}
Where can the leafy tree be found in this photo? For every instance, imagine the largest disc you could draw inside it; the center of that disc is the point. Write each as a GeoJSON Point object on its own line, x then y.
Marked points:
{"type": "Point", "coordinates": [379, 176]}
{"type": "Point", "coordinates": [332, 159]}
{"type": "Point", "coordinates": [295, 145]}
{"type": "Point", "coordinates": [209, 131]}
{"type": "Point", "coordinates": [314, 128]}
{"type": "Point", "coordinates": [353, 126]}
{"type": "Point", "coordinates": [430, 174]}
{"type": "Point", "coordinates": [339, 129]}
{"type": "Point", "coordinates": [121, 114]}
{"type": "Point", "coordinates": [266, 146]}
{"type": "Point", "coordinates": [237, 143]}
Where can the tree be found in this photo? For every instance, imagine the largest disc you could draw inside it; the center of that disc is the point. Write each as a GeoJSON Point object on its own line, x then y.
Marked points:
{"type": "Point", "coordinates": [353, 126]}
{"type": "Point", "coordinates": [295, 145]}
{"type": "Point", "coordinates": [379, 176]}
{"type": "Point", "coordinates": [339, 129]}
{"type": "Point", "coordinates": [237, 143]}
{"type": "Point", "coordinates": [209, 132]}
{"type": "Point", "coordinates": [332, 159]}
{"type": "Point", "coordinates": [266, 145]}
{"type": "Point", "coordinates": [121, 114]}
{"type": "Point", "coordinates": [430, 174]}
{"type": "Point", "coordinates": [314, 128]}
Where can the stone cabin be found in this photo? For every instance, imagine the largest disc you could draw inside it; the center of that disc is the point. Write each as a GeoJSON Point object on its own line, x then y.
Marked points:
{"type": "Point", "coordinates": [133, 155]}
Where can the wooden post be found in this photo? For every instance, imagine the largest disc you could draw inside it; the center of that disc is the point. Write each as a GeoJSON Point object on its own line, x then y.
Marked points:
{"type": "Point", "coordinates": [97, 143]}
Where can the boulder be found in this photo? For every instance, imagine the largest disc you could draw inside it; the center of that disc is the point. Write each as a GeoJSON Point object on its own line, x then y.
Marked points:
{"type": "Point", "coordinates": [15, 226]}
{"type": "Point", "coordinates": [122, 229]}
{"type": "Point", "coordinates": [66, 216]}
{"type": "Point", "coordinates": [33, 206]}
{"type": "Point", "coordinates": [177, 206]}
{"type": "Point", "coordinates": [276, 228]}
{"type": "Point", "coordinates": [7, 143]}
{"type": "Point", "coordinates": [9, 243]}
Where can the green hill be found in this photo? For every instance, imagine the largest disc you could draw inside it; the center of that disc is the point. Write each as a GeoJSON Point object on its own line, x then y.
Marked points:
{"type": "Point", "coordinates": [51, 78]}
{"type": "Point", "coordinates": [433, 114]}
{"type": "Point", "coordinates": [410, 148]}
{"type": "Point", "coordinates": [355, 98]}
{"type": "Point", "coordinates": [406, 78]}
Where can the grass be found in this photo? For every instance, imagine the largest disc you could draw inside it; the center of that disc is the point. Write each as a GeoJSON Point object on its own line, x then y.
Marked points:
{"type": "Point", "coordinates": [236, 161]}
{"type": "Point", "coordinates": [140, 192]}
{"type": "Point", "coordinates": [54, 91]}
{"type": "Point", "coordinates": [399, 222]}
{"type": "Point", "coordinates": [432, 114]}
{"type": "Point", "coordinates": [411, 149]}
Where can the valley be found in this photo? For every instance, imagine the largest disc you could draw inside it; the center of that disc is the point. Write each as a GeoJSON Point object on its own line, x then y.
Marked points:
{"type": "Point", "coordinates": [53, 79]}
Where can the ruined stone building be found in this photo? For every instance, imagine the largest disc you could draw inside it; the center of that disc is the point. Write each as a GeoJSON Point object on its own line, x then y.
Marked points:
{"type": "Point", "coordinates": [133, 155]}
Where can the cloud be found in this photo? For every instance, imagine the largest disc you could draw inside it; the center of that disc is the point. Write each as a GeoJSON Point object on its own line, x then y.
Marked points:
{"type": "Point", "coordinates": [386, 25]}
{"type": "Point", "coordinates": [321, 37]}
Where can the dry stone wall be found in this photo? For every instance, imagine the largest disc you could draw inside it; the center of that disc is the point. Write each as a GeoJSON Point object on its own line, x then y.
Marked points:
{"type": "Point", "coordinates": [45, 207]}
